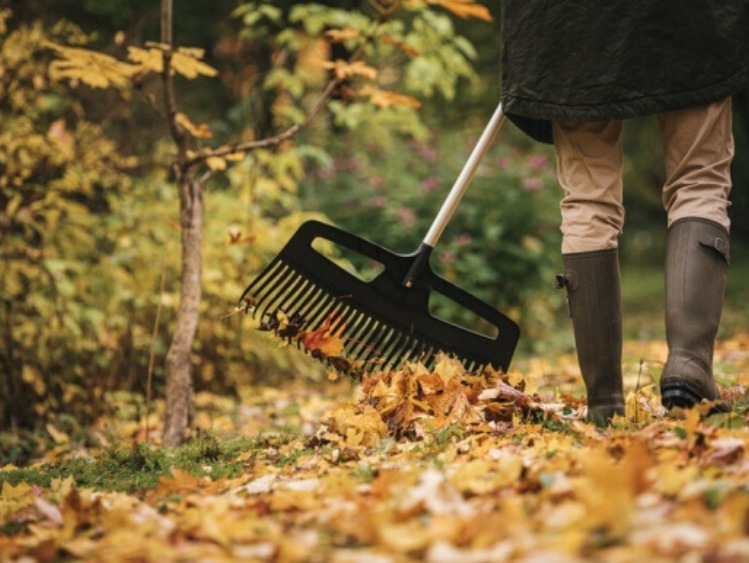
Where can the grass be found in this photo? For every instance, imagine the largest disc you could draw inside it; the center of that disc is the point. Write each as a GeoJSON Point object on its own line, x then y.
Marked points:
{"type": "Point", "coordinates": [133, 468]}
{"type": "Point", "coordinates": [643, 289]}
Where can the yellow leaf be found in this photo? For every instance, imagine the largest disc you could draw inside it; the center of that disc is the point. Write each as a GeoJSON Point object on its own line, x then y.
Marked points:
{"type": "Point", "coordinates": [186, 61]}
{"type": "Point", "coordinates": [148, 59]}
{"type": "Point", "coordinates": [216, 163]}
{"type": "Point", "coordinates": [90, 67]}
{"type": "Point", "coordinates": [201, 131]}
{"type": "Point", "coordinates": [57, 435]}
{"type": "Point", "coordinates": [464, 8]}
{"type": "Point", "coordinates": [341, 35]}
{"type": "Point", "coordinates": [343, 69]}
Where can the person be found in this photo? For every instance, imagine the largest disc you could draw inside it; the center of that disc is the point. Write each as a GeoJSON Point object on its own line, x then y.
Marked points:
{"type": "Point", "coordinates": [571, 72]}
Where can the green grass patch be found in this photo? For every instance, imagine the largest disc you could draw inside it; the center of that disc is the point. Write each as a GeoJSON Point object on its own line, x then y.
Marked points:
{"type": "Point", "coordinates": [134, 468]}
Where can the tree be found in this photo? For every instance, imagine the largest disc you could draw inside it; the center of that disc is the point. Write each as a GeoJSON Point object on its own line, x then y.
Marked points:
{"type": "Point", "coordinates": [382, 35]}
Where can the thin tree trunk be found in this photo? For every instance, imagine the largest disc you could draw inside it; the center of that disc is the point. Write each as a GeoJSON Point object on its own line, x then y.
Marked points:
{"type": "Point", "coordinates": [179, 387]}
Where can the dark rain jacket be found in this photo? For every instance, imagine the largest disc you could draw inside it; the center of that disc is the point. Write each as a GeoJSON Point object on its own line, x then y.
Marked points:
{"type": "Point", "coordinates": [613, 59]}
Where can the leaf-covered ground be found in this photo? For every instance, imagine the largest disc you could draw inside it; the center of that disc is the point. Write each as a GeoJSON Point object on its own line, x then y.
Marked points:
{"type": "Point", "coordinates": [412, 465]}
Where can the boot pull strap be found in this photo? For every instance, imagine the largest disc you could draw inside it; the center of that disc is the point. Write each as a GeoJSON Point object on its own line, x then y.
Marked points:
{"type": "Point", "coordinates": [719, 245]}
{"type": "Point", "coordinates": [568, 279]}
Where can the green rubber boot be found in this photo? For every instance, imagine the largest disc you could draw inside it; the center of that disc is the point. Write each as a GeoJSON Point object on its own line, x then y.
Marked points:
{"type": "Point", "coordinates": [697, 258]}
{"type": "Point", "coordinates": [594, 296]}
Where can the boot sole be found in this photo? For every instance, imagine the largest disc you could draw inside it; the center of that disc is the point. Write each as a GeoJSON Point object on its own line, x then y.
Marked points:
{"type": "Point", "coordinates": [678, 396]}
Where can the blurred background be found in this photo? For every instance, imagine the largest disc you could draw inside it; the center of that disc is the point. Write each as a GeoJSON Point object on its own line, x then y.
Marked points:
{"type": "Point", "coordinates": [89, 212]}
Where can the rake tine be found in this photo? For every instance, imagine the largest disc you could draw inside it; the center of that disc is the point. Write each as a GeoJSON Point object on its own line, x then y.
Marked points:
{"type": "Point", "coordinates": [341, 318]}
{"type": "Point", "coordinates": [262, 278]}
{"type": "Point", "coordinates": [361, 336]}
{"type": "Point", "coordinates": [429, 357]}
{"type": "Point", "coordinates": [391, 344]}
{"type": "Point", "coordinates": [290, 293]}
{"type": "Point", "coordinates": [411, 351]}
{"type": "Point", "coordinates": [309, 301]}
{"type": "Point", "coordinates": [416, 351]}
{"type": "Point", "coordinates": [276, 296]}
{"type": "Point", "coordinates": [393, 347]}
{"type": "Point", "coordinates": [370, 344]}
{"type": "Point", "coordinates": [303, 295]}
{"type": "Point", "coordinates": [404, 350]}
{"type": "Point", "coordinates": [380, 346]}
{"type": "Point", "coordinates": [370, 330]}
{"type": "Point", "coordinates": [388, 345]}
{"type": "Point", "coordinates": [343, 323]}
{"type": "Point", "coordinates": [330, 311]}
{"type": "Point", "coordinates": [266, 290]}
{"type": "Point", "coordinates": [357, 324]}
{"type": "Point", "coordinates": [316, 317]}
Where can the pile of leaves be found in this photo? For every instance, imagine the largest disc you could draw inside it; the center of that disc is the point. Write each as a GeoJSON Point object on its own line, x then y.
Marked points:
{"type": "Point", "coordinates": [414, 464]}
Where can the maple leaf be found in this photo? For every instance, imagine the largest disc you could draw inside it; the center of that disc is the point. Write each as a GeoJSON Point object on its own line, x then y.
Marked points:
{"type": "Point", "coordinates": [324, 339]}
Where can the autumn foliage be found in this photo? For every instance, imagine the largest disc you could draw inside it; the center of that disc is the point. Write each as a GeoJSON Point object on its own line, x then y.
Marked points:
{"type": "Point", "coordinates": [436, 465]}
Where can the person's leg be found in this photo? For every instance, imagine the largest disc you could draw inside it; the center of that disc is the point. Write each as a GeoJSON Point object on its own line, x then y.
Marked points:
{"type": "Point", "coordinates": [589, 159]}
{"type": "Point", "coordinates": [698, 149]}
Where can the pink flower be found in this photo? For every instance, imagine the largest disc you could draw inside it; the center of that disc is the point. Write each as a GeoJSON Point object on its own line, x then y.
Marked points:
{"type": "Point", "coordinates": [406, 215]}
{"type": "Point", "coordinates": [429, 184]}
{"type": "Point", "coordinates": [503, 161]}
{"type": "Point", "coordinates": [463, 239]}
{"type": "Point", "coordinates": [447, 256]}
{"type": "Point", "coordinates": [378, 201]}
{"type": "Point", "coordinates": [538, 162]}
{"type": "Point", "coordinates": [377, 182]}
{"type": "Point", "coordinates": [533, 184]}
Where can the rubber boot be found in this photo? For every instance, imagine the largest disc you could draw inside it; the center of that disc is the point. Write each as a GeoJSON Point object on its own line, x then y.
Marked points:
{"type": "Point", "coordinates": [697, 258]}
{"type": "Point", "coordinates": [594, 297]}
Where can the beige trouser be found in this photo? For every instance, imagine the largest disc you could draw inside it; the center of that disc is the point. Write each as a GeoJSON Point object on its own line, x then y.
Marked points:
{"type": "Point", "coordinates": [697, 146]}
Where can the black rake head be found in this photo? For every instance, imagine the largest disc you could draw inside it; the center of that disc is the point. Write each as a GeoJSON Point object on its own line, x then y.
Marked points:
{"type": "Point", "coordinates": [357, 325]}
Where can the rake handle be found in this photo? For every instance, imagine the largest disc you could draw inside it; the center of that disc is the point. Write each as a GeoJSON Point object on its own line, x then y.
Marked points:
{"type": "Point", "coordinates": [454, 196]}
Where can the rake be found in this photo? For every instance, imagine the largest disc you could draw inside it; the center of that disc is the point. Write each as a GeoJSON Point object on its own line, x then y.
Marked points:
{"type": "Point", "coordinates": [385, 321]}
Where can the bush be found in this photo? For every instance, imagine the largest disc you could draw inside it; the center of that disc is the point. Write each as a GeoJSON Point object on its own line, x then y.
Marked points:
{"type": "Point", "coordinates": [502, 243]}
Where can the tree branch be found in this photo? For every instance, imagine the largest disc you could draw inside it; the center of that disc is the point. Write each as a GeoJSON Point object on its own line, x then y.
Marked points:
{"type": "Point", "coordinates": [322, 101]}
{"type": "Point", "coordinates": [275, 140]}
{"type": "Point", "coordinates": [170, 101]}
